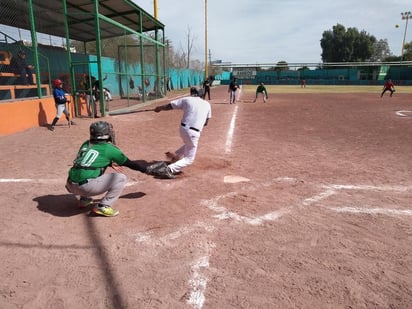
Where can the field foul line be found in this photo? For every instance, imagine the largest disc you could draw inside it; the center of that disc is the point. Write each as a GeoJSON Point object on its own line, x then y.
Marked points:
{"type": "Point", "coordinates": [404, 113]}
{"type": "Point", "coordinates": [377, 211]}
{"type": "Point", "coordinates": [334, 189]}
{"type": "Point", "coordinates": [229, 137]}
{"type": "Point", "coordinates": [198, 280]}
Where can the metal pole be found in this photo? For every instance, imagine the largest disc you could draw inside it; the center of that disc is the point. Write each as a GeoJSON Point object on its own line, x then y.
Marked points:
{"type": "Point", "coordinates": [99, 59]}
{"type": "Point", "coordinates": [206, 49]}
{"type": "Point", "coordinates": [155, 8]}
{"type": "Point", "coordinates": [35, 48]}
{"type": "Point", "coordinates": [405, 15]}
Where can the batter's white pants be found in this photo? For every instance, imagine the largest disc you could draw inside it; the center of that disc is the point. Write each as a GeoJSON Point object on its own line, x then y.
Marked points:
{"type": "Point", "coordinates": [188, 150]}
{"type": "Point", "coordinates": [112, 184]}
{"type": "Point", "coordinates": [61, 108]}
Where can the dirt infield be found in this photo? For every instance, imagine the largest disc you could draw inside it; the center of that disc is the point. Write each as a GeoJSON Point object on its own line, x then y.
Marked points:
{"type": "Point", "coordinates": [301, 202]}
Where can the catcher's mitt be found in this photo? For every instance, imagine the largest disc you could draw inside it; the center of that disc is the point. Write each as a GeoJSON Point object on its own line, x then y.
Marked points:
{"type": "Point", "coordinates": [160, 170]}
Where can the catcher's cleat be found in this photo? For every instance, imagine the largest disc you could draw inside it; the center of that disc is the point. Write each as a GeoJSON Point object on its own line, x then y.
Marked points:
{"type": "Point", "coordinates": [85, 201]}
{"type": "Point", "coordinates": [105, 210]}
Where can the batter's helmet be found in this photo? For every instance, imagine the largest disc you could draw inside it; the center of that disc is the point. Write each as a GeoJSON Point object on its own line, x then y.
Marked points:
{"type": "Point", "coordinates": [57, 83]}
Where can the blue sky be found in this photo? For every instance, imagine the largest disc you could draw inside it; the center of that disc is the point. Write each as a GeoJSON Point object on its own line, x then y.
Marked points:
{"type": "Point", "coordinates": [268, 31]}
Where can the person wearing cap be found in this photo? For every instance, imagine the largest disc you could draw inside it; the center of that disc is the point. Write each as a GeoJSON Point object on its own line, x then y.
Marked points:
{"type": "Point", "coordinates": [60, 101]}
{"type": "Point", "coordinates": [19, 66]}
{"type": "Point", "coordinates": [196, 114]}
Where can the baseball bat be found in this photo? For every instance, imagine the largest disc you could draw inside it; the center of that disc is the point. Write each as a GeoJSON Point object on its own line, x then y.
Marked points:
{"type": "Point", "coordinates": [69, 116]}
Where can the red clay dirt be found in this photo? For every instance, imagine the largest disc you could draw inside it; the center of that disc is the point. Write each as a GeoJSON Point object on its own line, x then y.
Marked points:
{"type": "Point", "coordinates": [301, 202]}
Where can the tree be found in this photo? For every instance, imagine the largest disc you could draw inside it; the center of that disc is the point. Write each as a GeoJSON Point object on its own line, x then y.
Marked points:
{"type": "Point", "coordinates": [341, 45]}
{"type": "Point", "coordinates": [381, 51]}
{"type": "Point", "coordinates": [281, 66]}
{"type": "Point", "coordinates": [407, 52]}
{"type": "Point", "coordinates": [189, 46]}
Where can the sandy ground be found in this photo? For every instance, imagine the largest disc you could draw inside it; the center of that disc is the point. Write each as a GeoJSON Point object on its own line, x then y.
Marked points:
{"type": "Point", "coordinates": [301, 202]}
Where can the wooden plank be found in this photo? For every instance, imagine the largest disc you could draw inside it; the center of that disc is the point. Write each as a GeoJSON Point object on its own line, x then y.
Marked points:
{"type": "Point", "coordinates": [12, 88]}
{"type": "Point", "coordinates": [9, 89]}
{"type": "Point", "coordinates": [9, 74]}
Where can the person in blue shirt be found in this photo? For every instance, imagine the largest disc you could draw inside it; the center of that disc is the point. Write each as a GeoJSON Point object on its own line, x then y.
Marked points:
{"type": "Point", "coordinates": [60, 102]}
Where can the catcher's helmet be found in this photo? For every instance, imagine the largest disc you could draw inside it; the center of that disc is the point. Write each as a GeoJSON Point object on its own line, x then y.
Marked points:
{"type": "Point", "coordinates": [194, 92]}
{"type": "Point", "coordinates": [100, 131]}
{"type": "Point", "coordinates": [57, 83]}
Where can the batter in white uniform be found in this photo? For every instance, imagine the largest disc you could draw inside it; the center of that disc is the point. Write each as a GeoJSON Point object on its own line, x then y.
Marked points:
{"type": "Point", "coordinates": [196, 113]}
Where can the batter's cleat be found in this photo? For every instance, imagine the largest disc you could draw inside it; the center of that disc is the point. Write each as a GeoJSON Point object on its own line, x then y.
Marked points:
{"type": "Point", "coordinates": [85, 202]}
{"type": "Point", "coordinates": [105, 210]}
{"type": "Point", "coordinates": [51, 128]}
{"type": "Point", "coordinates": [169, 174]}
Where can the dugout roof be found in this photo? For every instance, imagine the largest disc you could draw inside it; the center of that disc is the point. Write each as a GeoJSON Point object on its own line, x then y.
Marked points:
{"type": "Point", "coordinates": [49, 16]}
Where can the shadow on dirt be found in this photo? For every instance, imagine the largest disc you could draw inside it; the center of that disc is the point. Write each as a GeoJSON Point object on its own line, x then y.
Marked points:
{"type": "Point", "coordinates": [61, 205]}
{"type": "Point", "coordinates": [133, 195]}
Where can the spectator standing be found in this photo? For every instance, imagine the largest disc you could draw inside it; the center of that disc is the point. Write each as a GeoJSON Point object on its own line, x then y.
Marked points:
{"type": "Point", "coordinates": [18, 66]}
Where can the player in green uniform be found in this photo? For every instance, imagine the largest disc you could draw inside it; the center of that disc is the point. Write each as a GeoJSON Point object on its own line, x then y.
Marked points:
{"type": "Point", "coordinates": [87, 177]}
{"type": "Point", "coordinates": [261, 89]}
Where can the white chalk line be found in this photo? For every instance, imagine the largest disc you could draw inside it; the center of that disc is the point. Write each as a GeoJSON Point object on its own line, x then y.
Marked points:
{"type": "Point", "coordinates": [334, 189]}
{"type": "Point", "coordinates": [199, 279]}
{"type": "Point", "coordinates": [229, 137]}
{"type": "Point", "coordinates": [404, 113]}
{"type": "Point", "coordinates": [48, 181]}
{"type": "Point", "coordinates": [223, 213]}
{"type": "Point", "coordinates": [147, 237]}
{"type": "Point", "coordinates": [378, 211]}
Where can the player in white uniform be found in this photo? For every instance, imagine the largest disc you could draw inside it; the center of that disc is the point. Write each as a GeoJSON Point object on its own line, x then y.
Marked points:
{"type": "Point", "coordinates": [196, 113]}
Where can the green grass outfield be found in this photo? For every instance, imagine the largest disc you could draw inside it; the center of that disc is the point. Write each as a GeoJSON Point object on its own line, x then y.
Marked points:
{"type": "Point", "coordinates": [324, 89]}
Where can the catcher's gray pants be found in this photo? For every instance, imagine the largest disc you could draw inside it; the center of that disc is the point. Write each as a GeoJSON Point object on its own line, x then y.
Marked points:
{"type": "Point", "coordinates": [188, 150]}
{"type": "Point", "coordinates": [111, 183]}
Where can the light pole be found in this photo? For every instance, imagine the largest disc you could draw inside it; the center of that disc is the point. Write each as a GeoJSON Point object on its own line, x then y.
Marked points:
{"type": "Point", "coordinates": [405, 16]}
{"type": "Point", "coordinates": [206, 49]}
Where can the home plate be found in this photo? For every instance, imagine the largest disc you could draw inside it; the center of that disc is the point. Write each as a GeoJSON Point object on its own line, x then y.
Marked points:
{"type": "Point", "coordinates": [235, 179]}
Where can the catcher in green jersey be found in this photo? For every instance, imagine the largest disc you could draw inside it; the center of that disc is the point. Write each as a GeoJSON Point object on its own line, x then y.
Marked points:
{"type": "Point", "coordinates": [87, 177]}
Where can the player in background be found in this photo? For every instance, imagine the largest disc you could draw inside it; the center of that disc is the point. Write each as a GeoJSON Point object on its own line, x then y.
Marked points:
{"type": "Point", "coordinates": [233, 87]}
{"type": "Point", "coordinates": [388, 86]}
{"type": "Point", "coordinates": [60, 101]}
{"type": "Point", "coordinates": [261, 89]}
{"type": "Point", "coordinates": [206, 89]}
